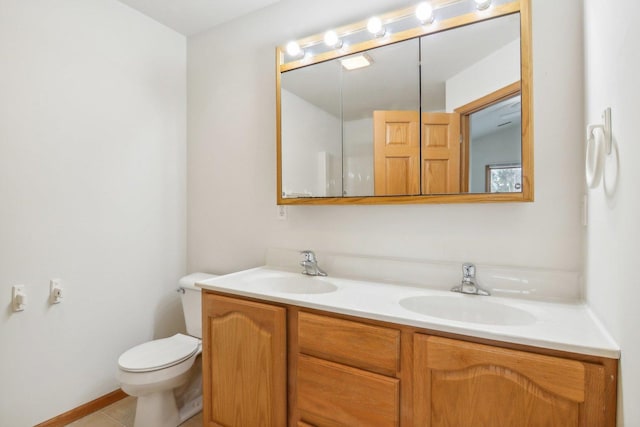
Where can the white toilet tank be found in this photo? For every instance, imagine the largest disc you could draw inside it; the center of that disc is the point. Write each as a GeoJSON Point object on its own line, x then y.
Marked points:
{"type": "Point", "coordinates": [192, 302]}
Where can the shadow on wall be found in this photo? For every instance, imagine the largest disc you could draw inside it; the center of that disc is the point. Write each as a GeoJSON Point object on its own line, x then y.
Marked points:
{"type": "Point", "coordinates": [611, 172]}
{"type": "Point", "coordinates": [169, 317]}
{"type": "Point", "coordinates": [8, 312]}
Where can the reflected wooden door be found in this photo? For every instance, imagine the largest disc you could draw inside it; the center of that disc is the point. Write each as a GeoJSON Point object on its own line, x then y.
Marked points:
{"type": "Point", "coordinates": [396, 153]}
{"type": "Point", "coordinates": [440, 153]}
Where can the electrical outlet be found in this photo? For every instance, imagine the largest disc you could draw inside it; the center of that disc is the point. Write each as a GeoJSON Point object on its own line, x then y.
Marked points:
{"type": "Point", "coordinates": [55, 291]}
{"type": "Point", "coordinates": [18, 298]}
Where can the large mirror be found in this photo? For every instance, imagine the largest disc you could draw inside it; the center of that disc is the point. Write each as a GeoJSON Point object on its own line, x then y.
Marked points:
{"type": "Point", "coordinates": [328, 119]}
{"type": "Point", "coordinates": [439, 114]}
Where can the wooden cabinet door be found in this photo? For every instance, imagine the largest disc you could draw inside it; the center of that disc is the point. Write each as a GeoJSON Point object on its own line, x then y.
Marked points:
{"type": "Point", "coordinates": [244, 363]}
{"type": "Point", "coordinates": [461, 384]}
{"type": "Point", "coordinates": [396, 153]}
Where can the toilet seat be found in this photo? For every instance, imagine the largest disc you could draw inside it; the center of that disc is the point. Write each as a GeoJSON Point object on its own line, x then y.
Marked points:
{"type": "Point", "coordinates": [159, 354]}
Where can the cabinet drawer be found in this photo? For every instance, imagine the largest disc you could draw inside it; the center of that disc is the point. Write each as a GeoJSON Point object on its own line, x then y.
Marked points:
{"type": "Point", "coordinates": [330, 394]}
{"type": "Point", "coordinates": [374, 348]}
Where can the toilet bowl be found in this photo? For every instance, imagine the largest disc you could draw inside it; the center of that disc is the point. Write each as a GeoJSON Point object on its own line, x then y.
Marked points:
{"type": "Point", "coordinates": [157, 370]}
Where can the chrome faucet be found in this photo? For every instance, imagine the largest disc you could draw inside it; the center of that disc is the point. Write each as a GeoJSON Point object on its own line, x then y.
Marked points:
{"type": "Point", "coordinates": [310, 264]}
{"type": "Point", "coordinates": [469, 285]}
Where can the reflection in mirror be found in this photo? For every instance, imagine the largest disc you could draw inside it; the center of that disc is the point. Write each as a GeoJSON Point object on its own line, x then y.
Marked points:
{"type": "Point", "coordinates": [385, 88]}
{"type": "Point", "coordinates": [470, 78]}
{"type": "Point", "coordinates": [434, 110]}
{"type": "Point", "coordinates": [312, 131]}
{"type": "Point", "coordinates": [495, 149]}
{"type": "Point", "coordinates": [328, 119]}
{"type": "Point", "coordinates": [503, 178]}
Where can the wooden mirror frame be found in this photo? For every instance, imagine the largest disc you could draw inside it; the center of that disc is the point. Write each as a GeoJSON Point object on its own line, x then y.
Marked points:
{"type": "Point", "coordinates": [526, 70]}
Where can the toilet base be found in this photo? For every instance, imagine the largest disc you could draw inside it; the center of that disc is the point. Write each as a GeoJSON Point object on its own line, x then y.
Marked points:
{"type": "Point", "coordinates": [157, 410]}
{"type": "Point", "coordinates": [190, 409]}
{"type": "Point", "coordinates": [168, 397]}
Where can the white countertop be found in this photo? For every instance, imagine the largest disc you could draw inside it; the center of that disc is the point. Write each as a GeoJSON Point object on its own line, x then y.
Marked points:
{"type": "Point", "coordinates": [558, 326]}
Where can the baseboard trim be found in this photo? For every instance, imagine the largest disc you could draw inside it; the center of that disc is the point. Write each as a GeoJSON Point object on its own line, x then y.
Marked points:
{"type": "Point", "coordinates": [84, 410]}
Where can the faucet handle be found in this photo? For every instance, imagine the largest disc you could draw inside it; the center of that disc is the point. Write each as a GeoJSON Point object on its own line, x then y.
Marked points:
{"type": "Point", "coordinates": [468, 270]}
{"type": "Point", "coordinates": [308, 255]}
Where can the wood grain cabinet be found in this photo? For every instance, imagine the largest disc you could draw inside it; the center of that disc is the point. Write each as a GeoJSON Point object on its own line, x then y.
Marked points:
{"type": "Point", "coordinates": [346, 373]}
{"type": "Point", "coordinates": [244, 363]}
{"type": "Point", "coordinates": [457, 383]}
{"type": "Point", "coordinates": [277, 365]}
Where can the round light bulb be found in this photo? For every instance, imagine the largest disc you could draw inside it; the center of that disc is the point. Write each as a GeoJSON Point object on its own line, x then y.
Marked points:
{"type": "Point", "coordinates": [424, 13]}
{"type": "Point", "coordinates": [374, 26]}
{"type": "Point", "coordinates": [294, 49]}
{"type": "Point", "coordinates": [331, 39]}
{"type": "Point", "coordinates": [483, 4]}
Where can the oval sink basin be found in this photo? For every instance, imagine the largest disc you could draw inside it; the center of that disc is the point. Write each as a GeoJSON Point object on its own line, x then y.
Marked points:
{"type": "Point", "coordinates": [471, 309]}
{"type": "Point", "coordinates": [296, 285]}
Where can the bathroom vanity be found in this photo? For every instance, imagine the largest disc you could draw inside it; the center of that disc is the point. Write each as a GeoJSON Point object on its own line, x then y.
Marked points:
{"type": "Point", "coordinates": [282, 349]}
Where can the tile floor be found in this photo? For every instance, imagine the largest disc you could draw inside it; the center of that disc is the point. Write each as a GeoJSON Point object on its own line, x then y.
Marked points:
{"type": "Point", "coordinates": [121, 414]}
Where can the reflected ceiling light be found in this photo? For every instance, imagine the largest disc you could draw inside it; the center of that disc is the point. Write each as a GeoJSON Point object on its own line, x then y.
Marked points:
{"type": "Point", "coordinates": [332, 40]}
{"type": "Point", "coordinates": [294, 50]}
{"type": "Point", "coordinates": [356, 61]}
{"type": "Point", "coordinates": [483, 4]}
{"type": "Point", "coordinates": [424, 13]}
{"type": "Point", "coordinates": [375, 27]}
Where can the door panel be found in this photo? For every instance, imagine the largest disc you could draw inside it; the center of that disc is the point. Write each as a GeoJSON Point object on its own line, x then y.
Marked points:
{"type": "Point", "coordinates": [457, 383]}
{"type": "Point", "coordinates": [244, 363]}
{"type": "Point", "coordinates": [396, 153]}
{"type": "Point", "coordinates": [440, 153]}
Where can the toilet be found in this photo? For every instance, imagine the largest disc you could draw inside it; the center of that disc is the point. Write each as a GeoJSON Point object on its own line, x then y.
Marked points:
{"type": "Point", "coordinates": [162, 374]}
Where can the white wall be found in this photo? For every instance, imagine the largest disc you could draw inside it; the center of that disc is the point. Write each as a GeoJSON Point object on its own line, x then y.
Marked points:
{"type": "Point", "coordinates": [92, 191]}
{"type": "Point", "coordinates": [232, 210]}
{"type": "Point", "coordinates": [612, 64]}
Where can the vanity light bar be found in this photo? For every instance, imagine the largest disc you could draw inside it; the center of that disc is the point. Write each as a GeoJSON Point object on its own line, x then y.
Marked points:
{"type": "Point", "coordinates": [483, 4]}
{"type": "Point", "coordinates": [294, 50]}
{"type": "Point", "coordinates": [376, 25]}
{"type": "Point", "coordinates": [332, 40]}
{"type": "Point", "coordinates": [425, 12]}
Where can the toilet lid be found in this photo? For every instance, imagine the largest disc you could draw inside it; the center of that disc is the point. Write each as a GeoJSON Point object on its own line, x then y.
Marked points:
{"type": "Point", "coordinates": [159, 354]}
